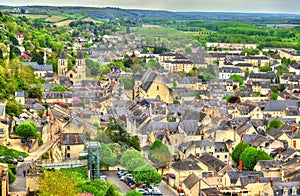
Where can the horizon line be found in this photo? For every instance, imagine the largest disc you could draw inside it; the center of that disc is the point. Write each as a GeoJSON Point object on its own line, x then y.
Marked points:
{"type": "Point", "coordinates": [152, 9]}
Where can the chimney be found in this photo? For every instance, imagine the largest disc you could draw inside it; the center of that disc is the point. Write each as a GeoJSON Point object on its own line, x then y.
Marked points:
{"type": "Point", "coordinates": [279, 150]}
{"type": "Point", "coordinates": [81, 115]}
{"type": "Point", "coordinates": [60, 138]}
{"type": "Point", "coordinates": [294, 128]}
{"type": "Point", "coordinates": [257, 179]}
{"type": "Point", "coordinates": [240, 167]}
{"type": "Point", "coordinates": [271, 182]}
{"type": "Point", "coordinates": [76, 139]}
{"type": "Point", "coordinates": [258, 123]}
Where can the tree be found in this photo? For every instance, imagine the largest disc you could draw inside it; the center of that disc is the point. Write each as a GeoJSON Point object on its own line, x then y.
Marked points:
{"type": "Point", "coordinates": [35, 92]}
{"type": "Point", "coordinates": [59, 88]}
{"type": "Point", "coordinates": [135, 163]}
{"type": "Point", "coordinates": [176, 101]}
{"type": "Point", "coordinates": [134, 142]}
{"type": "Point", "coordinates": [238, 150]}
{"type": "Point", "coordinates": [251, 156]}
{"type": "Point", "coordinates": [133, 193]}
{"type": "Point", "coordinates": [159, 153]}
{"type": "Point", "coordinates": [57, 183]}
{"type": "Point", "coordinates": [274, 96]}
{"type": "Point", "coordinates": [188, 50]}
{"type": "Point", "coordinates": [11, 177]}
{"type": "Point", "coordinates": [129, 155]}
{"type": "Point", "coordinates": [26, 129]}
{"type": "Point", "coordinates": [275, 123]}
{"type": "Point", "coordinates": [107, 157]}
{"type": "Point", "coordinates": [197, 94]}
{"type": "Point", "coordinates": [13, 108]}
{"type": "Point", "coordinates": [147, 175]}
{"type": "Point", "coordinates": [237, 78]}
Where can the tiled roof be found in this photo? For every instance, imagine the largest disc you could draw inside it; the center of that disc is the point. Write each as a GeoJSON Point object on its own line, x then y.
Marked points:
{"type": "Point", "coordinates": [186, 165]}
{"type": "Point", "coordinates": [191, 180]}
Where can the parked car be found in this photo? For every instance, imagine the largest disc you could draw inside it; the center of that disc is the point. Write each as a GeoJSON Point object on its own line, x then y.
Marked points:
{"type": "Point", "coordinates": [121, 172]}
{"type": "Point", "coordinates": [126, 177]}
{"type": "Point", "coordinates": [103, 177]}
{"type": "Point", "coordinates": [20, 158]}
{"type": "Point", "coordinates": [142, 191]}
{"type": "Point", "coordinates": [155, 191]}
{"type": "Point", "coordinates": [10, 160]}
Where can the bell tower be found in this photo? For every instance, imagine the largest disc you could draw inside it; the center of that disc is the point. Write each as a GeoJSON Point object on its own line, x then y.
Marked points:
{"type": "Point", "coordinates": [81, 67]}
{"type": "Point", "coordinates": [62, 67]}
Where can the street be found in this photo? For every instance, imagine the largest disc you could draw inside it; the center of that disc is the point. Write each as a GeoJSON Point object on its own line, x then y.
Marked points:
{"type": "Point", "coordinates": [113, 177]}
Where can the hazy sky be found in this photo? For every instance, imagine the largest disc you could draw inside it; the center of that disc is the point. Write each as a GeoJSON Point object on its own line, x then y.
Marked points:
{"type": "Point", "coordinates": [274, 6]}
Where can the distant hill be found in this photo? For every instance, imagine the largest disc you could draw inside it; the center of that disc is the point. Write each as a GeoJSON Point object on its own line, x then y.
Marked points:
{"type": "Point", "coordinates": [134, 14]}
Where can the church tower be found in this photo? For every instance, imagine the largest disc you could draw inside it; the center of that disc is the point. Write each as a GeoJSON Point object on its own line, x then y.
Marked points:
{"type": "Point", "coordinates": [62, 67]}
{"type": "Point", "coordinates": [81, 67]}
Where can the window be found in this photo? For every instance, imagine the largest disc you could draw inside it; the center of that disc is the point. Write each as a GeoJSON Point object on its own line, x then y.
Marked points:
{"type": "Point", "coordinates": [294, 191]}
{"type": "Point", "coordinates": [68, 155]}
{"type": "Point", "coordinates": [157, 88]}
{"type": "Point", "coordinates": [218, 156]}
{"type": "Point", "coordinates": [68, 147]}
{"type": "Point", "coordinates": [225, 156]}
{"type": "Point", "coordinates": [285, 192]}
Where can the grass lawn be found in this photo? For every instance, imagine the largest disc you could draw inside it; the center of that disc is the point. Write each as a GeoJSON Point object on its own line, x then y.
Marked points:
{"type": "Point", "coordinates": [6, 151]}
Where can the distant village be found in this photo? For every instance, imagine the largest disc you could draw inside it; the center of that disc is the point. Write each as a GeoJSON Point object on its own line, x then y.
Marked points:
{"type": "Point", "coordinates": [201, 121]}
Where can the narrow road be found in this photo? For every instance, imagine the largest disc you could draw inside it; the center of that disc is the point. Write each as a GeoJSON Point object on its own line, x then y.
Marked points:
{"type": "Point", "coordinates": [19, 184]}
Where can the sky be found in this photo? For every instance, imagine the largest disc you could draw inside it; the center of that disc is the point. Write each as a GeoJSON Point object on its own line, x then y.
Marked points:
{"type": "Point", "coordinates": [265, 6]}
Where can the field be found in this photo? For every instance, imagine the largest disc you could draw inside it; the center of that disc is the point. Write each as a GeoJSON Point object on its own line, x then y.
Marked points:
{"type": "Point", "coordinates": [55, 19]}
{"type": "Point", "coordinates": [92, 20]}
{"type": "Point", "coordinates": [63, 23]}
{"type": "Point", "coordinates": [34, 16]}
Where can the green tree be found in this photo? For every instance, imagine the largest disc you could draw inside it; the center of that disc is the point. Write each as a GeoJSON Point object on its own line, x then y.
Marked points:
{"type": "Point", "coordinates": [35, 92]}
{"type": "Point", "coordinates": [135, 163]}
{"type": "Point", "coordinates": [176, 101]}
{"type": "Point", "coordinates": [274, 123]}
{"type": "Point", "coordinates": [13, 108]}
{"type": "Point", "coordinates": [57, 183]}
{"type": "Point", "coordinates": [108, 158]}
{"type": "Point", "coordinates": [26, 129]}
{"type": "Point", "coordinates": [159, 153]}
{"type": "Point", "coordinates": [129, 155]}
{"type": "Point", "coordinates": [238, 150]}
{"type": "Point", "coordinates": [188, 50]}
{"type": "Point", "coordinates": [147, 175]}
{"type": "Point", "coordinates": [11, 177]}
{"type": "Point", "coordinates": [198, 96]}
{"type": "Point", "coordinates": [134, 142]}
{"type": "Point", "coordinates": [59, 88]}
{"type": "Point", "coordinates": [251, 156]}
{"type": "Point", "coordinates": [133, 193]}
{"type": "Point", "coordinates": [237, 78]}
{"type": "Point", "coordinates": [274, 96]}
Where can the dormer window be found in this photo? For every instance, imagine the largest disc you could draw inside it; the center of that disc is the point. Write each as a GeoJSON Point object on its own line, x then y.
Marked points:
{"type": "Point", "coordinates": [285, 191]}
{"type": "Point", "coordinates": [294, 191]}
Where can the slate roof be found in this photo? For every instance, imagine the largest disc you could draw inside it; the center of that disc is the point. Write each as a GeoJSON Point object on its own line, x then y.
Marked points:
{"type": "Point", "coordinates": [268, 75]}
{"type": "Point", "coordinates": [62, 55]}
{"type": "Point", "coordinates": [211, 192]}
{"type": "Point", "coordinates": [190, 127]}
{"type": "Point", "coordinates": [242, 128]}
{"type": "Point", "coordinates": [69, 138]}
{"type": "Point", "coordinates": [47, 87]}
{"type": "Point", "coordinates": [38, 67]}
{"type": "Point", "coordinates": [212, 161]}
{"type": "Point", "coordinates": [80, 55]}
{"type": "Point", "coordinates": [281, 185]}
{"type": "Point", "coordinates": [234, 175]}
{"type": "Point", "coordinates": [186, 165]}
{"type": "Point", "coordinates": [191, 180]}
{"type": "Point", "coordinates": [148, 79]}
{"type": "Point", "coordinates": [1, 110]}
{"type": "Point", "coordinates": [266, 164]}
{"type": "Point", "coordinates": [20, 94]}
{"type": "Point", "coordinates": [231, 70]}
{"type": "Point", "coordinates": [275, 133]}
{"type": "Point", "coordinates": [221, 147]}
{"type": "Point", "coordinates": [254, 139]}
{"type": "Point", "coordinates": [279, 105]}
{"type": "Point", "coordinates": [193, 115]}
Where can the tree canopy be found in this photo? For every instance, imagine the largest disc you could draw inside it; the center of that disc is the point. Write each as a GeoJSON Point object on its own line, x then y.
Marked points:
{"type": "Point", "coordinates": [274, 123]}
{"type": "Point", "coordinates": [250, 156]}
{"type": "Point", "coordinates": [159, 153]}
{"type": "Point", "coordinates": [129, 155]}
{"type": "Point", "coordinates": [147, 174]}
{"type": "Point", "coordinates": [238, 150]}
{"type": "Point", "coordinates": [237, 78]}
{"type": "Point", "coordinates": [108, 158]}
{"type": "Point", "coordinates": [26, 129]}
